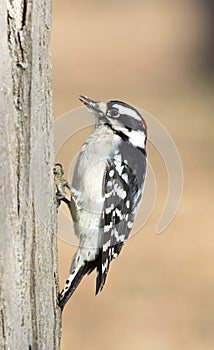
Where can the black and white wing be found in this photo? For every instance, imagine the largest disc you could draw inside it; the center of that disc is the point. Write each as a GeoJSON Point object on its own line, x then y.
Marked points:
{"type": "Point", "coordinates": [123, 184]}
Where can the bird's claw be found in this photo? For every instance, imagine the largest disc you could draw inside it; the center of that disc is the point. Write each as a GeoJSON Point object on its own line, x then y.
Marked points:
{"type": "Point", "coordinates": [61, 184]}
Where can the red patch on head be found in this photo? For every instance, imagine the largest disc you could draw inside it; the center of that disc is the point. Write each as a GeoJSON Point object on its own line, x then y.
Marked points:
{"type": "Point", "coordinates": [144, 124]}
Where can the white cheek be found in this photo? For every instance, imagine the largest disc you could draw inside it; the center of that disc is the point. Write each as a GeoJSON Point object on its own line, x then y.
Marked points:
{"type": "Point", "coordinates": [137, 138]}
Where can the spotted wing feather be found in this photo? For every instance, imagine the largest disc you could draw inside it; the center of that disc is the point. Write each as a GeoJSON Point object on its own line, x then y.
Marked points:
{"type": "Point", "coordinates": [121, 190]}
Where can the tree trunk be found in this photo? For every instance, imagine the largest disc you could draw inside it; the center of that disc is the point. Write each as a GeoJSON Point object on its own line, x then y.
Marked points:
{"type": "Point", "coordinates": [29, 316]}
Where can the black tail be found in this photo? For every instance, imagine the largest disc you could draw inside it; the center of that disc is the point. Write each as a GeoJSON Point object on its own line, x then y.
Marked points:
{"type": "Point", "coordinates": [87, 268]}
{"type": "Point", "coordinates": [65, 295]}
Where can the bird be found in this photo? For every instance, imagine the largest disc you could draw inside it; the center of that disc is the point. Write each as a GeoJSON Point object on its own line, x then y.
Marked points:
{"type": "Point", "coordinates": [106, 189]}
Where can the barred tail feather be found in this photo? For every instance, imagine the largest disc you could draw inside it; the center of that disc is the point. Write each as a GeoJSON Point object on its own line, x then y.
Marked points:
{"type": "Point", "coordinates": [71, 284]}
{"type": "Point", "coordinates": [75, 278]}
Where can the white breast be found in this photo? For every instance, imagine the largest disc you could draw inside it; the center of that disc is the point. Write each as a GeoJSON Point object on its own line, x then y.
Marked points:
{"type": "Point", "coordinates": [90, 169]}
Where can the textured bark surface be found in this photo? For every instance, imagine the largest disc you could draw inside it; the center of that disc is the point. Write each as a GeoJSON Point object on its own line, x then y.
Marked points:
{"type": "Point", "coordinates": [29, 317]}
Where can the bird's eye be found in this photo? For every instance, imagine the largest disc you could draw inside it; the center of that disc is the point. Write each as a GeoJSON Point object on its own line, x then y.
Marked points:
{"type": "Point", "coordinates": [114, 113]}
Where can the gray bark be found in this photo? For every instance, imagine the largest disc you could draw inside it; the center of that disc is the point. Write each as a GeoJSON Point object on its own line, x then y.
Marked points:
{"type": "Point", "coordinates": [29, 316]}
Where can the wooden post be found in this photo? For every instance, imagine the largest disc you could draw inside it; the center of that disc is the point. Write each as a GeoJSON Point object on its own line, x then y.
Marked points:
{"type": "Point", "coordinates": [29, 316]}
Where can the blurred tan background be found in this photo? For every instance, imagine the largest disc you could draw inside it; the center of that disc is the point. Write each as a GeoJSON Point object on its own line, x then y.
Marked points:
{"type": "Point", "coordinates": [157, 55]}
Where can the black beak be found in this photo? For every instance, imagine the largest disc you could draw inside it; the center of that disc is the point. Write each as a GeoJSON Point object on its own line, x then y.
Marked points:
{"type": "Point", "coordinates": [98, 107]}
{"type": "Point", "coordinates": [88, 102]}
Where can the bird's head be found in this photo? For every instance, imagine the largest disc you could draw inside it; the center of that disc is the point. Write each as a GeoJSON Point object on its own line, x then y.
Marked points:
{"type": "Point", "coordinates": [118, 114]}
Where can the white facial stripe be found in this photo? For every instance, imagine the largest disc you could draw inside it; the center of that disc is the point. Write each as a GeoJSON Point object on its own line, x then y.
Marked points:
{"type": "Point", "coordinates": [137, 138]}
{"type": "Point", "coordinates": [127, 111]}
